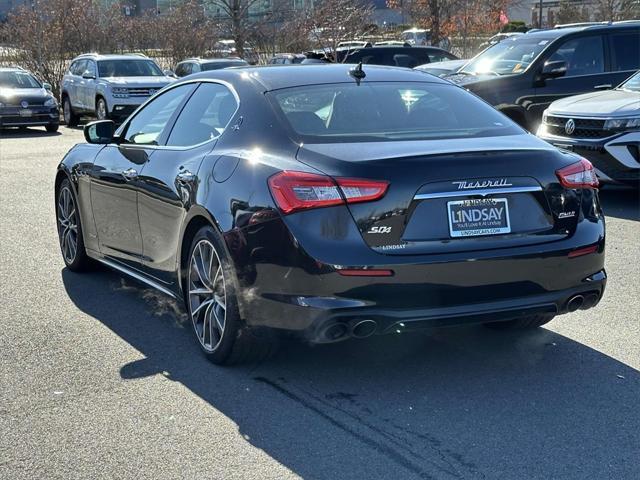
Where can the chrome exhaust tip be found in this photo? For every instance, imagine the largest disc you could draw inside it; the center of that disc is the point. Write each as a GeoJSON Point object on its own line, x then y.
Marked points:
{"type": "Point", "coordinates": [363, 328]}
{"type": "Point", "coordinates": [590, 300]}
{"type": "Point", "coordinates": [333, 332]}
{"type": "Point", "coordinates": [575, 303]}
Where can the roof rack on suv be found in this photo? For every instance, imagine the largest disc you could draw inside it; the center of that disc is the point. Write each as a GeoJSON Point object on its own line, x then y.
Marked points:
{"type": "Point", "coordinates": [580, 24]}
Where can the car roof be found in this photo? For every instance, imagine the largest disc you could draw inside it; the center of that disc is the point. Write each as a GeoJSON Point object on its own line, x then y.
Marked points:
{"type": "Point", "coordinates": [99, 56]}
{"type": "Point", "coordinates": [274, 77]}
{"type": "Point", "coordinates": [13, 69]}
{"type": "Point", "coordinates": [209, 60]}
{"type": "Point", "coordinates": [561, 31]}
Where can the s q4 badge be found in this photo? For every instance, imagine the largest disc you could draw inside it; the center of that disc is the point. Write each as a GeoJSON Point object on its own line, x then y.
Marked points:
{"type": "Point", "coordinates": [379, 230]}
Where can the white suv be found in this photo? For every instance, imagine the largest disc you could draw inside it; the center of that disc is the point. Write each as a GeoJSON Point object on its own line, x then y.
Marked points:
{"type": "Point", "coordinates": [109, 86]}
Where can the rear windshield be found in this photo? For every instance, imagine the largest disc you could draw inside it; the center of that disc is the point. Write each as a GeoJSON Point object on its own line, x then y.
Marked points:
{"type": "Point", "coordinates": [385, 111]}
{"type": "Point", "coordinates": [128, 68]}
{"type": "Point", "coordinates": [18, 80]}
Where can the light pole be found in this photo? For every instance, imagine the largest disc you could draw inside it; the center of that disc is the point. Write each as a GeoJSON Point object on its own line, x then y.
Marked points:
{"type": "Point", "coordinates": [540, 16]}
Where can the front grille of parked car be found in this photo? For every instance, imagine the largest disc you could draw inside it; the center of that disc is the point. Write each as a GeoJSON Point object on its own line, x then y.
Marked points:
{"type": "Point", "coordinates": [142, 92]}
{"type": "Point", "coordinates": [32, 102]}
{"type": "Point", "coordinates": [585, 127]}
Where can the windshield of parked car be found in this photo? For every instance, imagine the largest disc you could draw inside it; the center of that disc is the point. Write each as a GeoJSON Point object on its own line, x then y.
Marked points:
{"type": "Point", "coordinates": [18, 80]}
{"type": "Point", "coordinates": [510, 56]}
{"type": "Point", "coordinates": [632, 84]}
{"type": "Point", "coordinates": [385, 111]}
{"type": "Point", "coordinates": [128, 68]}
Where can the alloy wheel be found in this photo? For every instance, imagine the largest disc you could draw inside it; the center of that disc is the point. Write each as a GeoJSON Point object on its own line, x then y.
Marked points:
{"type": "Point", "coordinates": [67, 225]}
{"type": "Point", "coordinates": [207, 295]}
{"type": "Point", "coordinates": [66, 112]}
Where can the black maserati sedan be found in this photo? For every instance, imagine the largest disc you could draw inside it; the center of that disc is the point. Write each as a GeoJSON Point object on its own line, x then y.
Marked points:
{"type": "Point", "coordinates": [333, 201]}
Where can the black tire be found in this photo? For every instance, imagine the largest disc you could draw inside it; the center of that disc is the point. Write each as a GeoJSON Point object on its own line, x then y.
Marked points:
{"type": "Point", "coordinates": [524, 323]}
{"type": "Point", "coordinates": [70, 118]}
{"type": "Point", "coordinates": [53, 128]}
{"type": "Point", "coordinates": [76, 258]}
{"type": "Point", "coordinates": [234, 343]}
{"type": "Point", "coordinates": [102, 113]}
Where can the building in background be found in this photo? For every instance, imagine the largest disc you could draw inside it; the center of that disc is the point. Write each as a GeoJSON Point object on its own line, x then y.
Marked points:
{"type": "Point", "coordinates": [7, 5]}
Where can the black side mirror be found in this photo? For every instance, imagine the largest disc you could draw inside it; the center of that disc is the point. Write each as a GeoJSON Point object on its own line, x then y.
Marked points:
{"type": "Point", "coordinates": [555, 69]}
{"type": "Point", "coordinates": [169, 73]}
{"type": "Point", "coordinates": [46, 86]}
{"type": "Point", "coordinates": [100, 132]}
{"type": "Point", "coordinates": [88, 75]}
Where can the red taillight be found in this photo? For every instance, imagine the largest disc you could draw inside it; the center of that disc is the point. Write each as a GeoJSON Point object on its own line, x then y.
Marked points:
{"type": "Point", "coordinates": [294, 191]}
{"type": "Point", "coordinates": [583, 251]}
{"type": "Point", "coordinates": [578, 175]}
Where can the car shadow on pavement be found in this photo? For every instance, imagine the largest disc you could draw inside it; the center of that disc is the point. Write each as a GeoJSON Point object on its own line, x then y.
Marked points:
{"type": "Point", "coordinates": [620, 202]}
{"type": "Point", "coordinates": [452, 403]}
{"type": "Point", "coordinates": [27, 132]}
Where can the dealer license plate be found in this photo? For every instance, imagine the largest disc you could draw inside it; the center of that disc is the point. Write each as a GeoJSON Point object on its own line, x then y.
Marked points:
{"type": "Point", "coordinates": [26, 113]}
{"type": "Point", "coordinates": [486, 216]}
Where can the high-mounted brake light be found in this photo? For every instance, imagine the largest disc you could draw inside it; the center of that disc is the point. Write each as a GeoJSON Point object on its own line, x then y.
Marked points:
{"type": "Point", "coordinates": [294, 191]}
{"type": "Point", "coordinates": [578, 175]}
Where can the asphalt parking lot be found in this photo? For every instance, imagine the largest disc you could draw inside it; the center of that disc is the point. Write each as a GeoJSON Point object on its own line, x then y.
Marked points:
{"type": "Point", "coordinates": [101, 378]}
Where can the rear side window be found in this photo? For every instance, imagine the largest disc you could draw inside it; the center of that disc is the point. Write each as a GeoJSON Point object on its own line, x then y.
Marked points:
{"type": "Point", "coordinates": [440, 56]}
{"type": "Point", "coordinates": [584, 56]}
{"type": "Point", "coordinates": [385, 111]}
{"type": "Point", "coordinates": [204, 117]}
{"type": "Point", "coordinates": [396, 57]}
{"type": "Point", "coordinates": [78, 67]}
{"type": "Point", "coordinates": [625, 51]}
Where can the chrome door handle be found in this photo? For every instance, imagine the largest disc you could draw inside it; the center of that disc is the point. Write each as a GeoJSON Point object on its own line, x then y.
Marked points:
{"type": "Point", "coordinates": [186, 177]}
{"type": "Point", "coordinates": [130, 174]}
{"type": "Point", "coordinates": [604, 86]}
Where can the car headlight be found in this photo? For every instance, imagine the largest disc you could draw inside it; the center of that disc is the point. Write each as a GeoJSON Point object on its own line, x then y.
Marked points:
{"type": "Point", "coordinates": [120, 92]}
{"type": "Point", "coordinates": [51, 102]}
{"type": "Point", "coordinates": [631, 123]}
{"type": "Point", "coordinates": [544, 116]}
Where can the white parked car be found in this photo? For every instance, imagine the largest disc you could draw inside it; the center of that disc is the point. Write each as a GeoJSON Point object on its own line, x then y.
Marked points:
{"type": "Point", "coordinates": [603, 127]}
{"type": "Point", "coordinates": [109, 86]}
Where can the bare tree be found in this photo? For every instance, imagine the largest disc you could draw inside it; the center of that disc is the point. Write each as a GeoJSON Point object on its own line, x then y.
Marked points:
{"type": "Point", "coordinates": [333, 21]}
{"type": "Point", "coordinates": [237, 18]}
{"type": "Point", "coordinates": [570, 12]}
{"type": "Point", "coordinates": [612, 10]}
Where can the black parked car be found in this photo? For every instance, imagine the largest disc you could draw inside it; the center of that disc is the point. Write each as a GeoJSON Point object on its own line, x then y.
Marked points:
{"type": "Point", "coordinates": [196, 65]}
{"type": "Point", "coordinates": [408, 57]}
{"type": "Point", "coordinates": [522, 75]}
{"type": "Point", "coordinates": [334, 202]}
{"type": "Point", "coordinates": [26, 102]}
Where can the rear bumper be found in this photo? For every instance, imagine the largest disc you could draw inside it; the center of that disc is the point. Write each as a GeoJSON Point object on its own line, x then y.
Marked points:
{"type": "Point", "coordinates": [287, 287]}
{"type": "Point", "coordinates": [616, 158]}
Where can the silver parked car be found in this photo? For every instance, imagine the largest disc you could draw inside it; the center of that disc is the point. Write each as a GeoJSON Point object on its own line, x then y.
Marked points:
{"type": "Point", "coordinates": [603, 127]}
{"type": "Point", "coordinates": [109, 86]}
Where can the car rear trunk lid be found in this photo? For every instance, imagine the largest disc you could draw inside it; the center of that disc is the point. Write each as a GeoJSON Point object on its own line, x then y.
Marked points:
{"type": "Point", "coordinates": [455, 195]}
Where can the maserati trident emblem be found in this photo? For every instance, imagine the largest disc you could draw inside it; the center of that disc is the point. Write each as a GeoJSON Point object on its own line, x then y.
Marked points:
{"type": "Point", "coordinates": [570, 126]}
{"type": "Point", "coordinates": [24, 104]}
{"type": "Point", "coordinates": [467, 185]}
